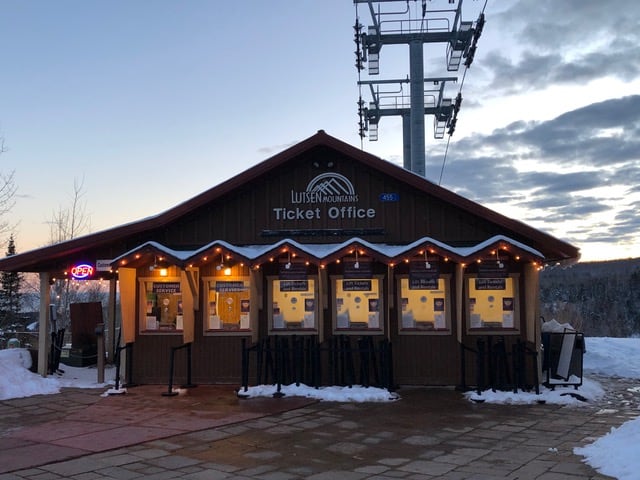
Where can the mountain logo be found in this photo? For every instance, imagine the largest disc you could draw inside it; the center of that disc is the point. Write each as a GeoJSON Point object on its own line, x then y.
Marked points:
{"type": "Point", "coordinates": [327, 188]}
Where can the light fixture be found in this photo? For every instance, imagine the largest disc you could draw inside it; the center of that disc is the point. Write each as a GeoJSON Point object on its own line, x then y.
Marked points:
{"type": "Point", "coordinates": [427, 265]}
{"type": "Point", "coordinates": [227, 271]}
{"type": "Point", "coordinates": [498, 262]}
{"type": "Point", "coordinates": [288, 264]}
{"type": "Point", "coordinates": [221, 266]}
{"type": "Point", "coordinates": [357, 264]}
{"type": "Point", "coordinates": [163, 272]}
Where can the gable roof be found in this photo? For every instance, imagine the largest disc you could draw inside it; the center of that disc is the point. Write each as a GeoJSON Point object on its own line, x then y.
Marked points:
{"type": "Point", "coordinates": [553, 249]}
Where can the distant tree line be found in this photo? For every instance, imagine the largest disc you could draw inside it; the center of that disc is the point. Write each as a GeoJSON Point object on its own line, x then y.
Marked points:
{"type": "Point", "coordinates": [600, 299]}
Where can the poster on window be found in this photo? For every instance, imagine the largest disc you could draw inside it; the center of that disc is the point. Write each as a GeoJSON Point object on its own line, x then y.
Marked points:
{"type": "Point", "coordinates": [214, 322]}
{"type": "Point", "coordinates": [491, 283]}
{"type": "Point", "coordinates": [166, 287]}
{"type": "Point", "coordinates": [356, 285]}
{"type": "Point", "coordinates": [309, 304]}
{"type": "Point", "coordinates": [507, 304]}
{"type": "Point", "coordinates": [294, 285]}
{"type": "Point", "coordinates": [230, 286]}
{"type": "Point", "coordinates": [245, 304]}
{"type": "Point", "coordinates": [438, 304]}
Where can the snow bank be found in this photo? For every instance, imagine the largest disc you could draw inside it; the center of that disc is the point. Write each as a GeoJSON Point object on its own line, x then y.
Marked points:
{"type": "Point", "coordinates": [16, 379]}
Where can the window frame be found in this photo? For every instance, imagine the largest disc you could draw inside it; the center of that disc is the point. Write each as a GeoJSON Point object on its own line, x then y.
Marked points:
{"type": "Point", "coordinates": [317, 320]}
{"type": "Point", "coordinates": [446, 279]}
{"type": "Point", "coordinates": [380, 330]}
{"type": "Point", "coordinates": [208, 283]}
{"type": "Point", "coordinates": [493, 330]}
{"type": "Point", "coordinates": [143, 307]}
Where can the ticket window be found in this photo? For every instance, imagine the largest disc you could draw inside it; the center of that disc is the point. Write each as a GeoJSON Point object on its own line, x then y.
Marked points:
{"type": "Point", "coordinates": [358, 305]}
{"type": "Point", "coordinates": [492, 304]}
{"type": "Point", "coordinates": [161, 306]}
{"type": "Point", "coordinates": [425, 308]}
{"type": "Point", "coordinates": [228, 305]}
{"type": "Point", "coordinates": [294, 305]}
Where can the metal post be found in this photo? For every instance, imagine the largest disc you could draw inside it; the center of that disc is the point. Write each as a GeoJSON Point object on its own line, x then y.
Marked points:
{"type": "Point", "coordinates": [480, 367]}
{"type": "Point", "coordinates": [416, 73]}
{"type": "Point", "coordinates": [170, 392]}
{"type": "Point", "coordinates": [463, 369]}
{"type": "Point", "coordinates": [129, 360]}
{"type": "Point", "coordinates": [536, 379]}
{"type": "Point", "coordinates": [189, 383]}
{"type": "Point", "coordinates": [259, 354]}
{"type": "Point", "coordinates": [118, 356]}
{"type": "Point", "coordinates": [392, 382]}
{"type": "Point", "coordinates": [245, 365]}
{"type": "Point", "coordinates": [278, 393]}
{"type": "Point", "coordinates": [298, 359]}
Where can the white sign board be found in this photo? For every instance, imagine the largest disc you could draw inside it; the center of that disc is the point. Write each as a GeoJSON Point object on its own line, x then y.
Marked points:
{"type": "Point", "coordinates": [103, 265]}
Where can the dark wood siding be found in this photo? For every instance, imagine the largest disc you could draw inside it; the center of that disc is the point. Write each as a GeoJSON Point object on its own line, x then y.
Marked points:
{"type": "Point", "coordinates": [243, 215]}
{"type": "Point", "coordinates": [426, 360]}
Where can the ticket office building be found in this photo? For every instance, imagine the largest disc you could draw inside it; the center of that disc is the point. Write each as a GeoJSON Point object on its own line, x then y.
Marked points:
{"type": "Point", "coordinates": [321, 240]}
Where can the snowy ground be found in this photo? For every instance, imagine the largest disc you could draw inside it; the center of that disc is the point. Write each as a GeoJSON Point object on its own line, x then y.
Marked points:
{"type": "Point", "coordinates": [617, 454]}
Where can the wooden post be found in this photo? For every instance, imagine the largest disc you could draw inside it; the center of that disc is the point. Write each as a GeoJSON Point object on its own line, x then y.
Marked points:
{"type": "Point", "coordinates": [43, 327]}
{"type": "Point", "coordinates": [111, 321]}
{"type": "Point", "coordinates": [100, 359]}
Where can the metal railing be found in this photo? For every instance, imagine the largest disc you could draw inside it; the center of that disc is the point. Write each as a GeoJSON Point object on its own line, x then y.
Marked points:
{"type": "Point", "coordinates": [170, 392]}
{"type": "Point", "coordinates": [343, 360]}
{"type": "Point", "coordinates": [498, 368]}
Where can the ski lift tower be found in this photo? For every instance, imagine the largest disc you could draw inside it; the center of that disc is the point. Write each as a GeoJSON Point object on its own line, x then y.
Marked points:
{"type": "Point", "coordinates": [396, 27]}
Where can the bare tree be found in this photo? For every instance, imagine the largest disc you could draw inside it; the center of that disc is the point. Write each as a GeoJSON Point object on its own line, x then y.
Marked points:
{"type": "Point", "coordinates": [71, 221]}
{"type": "Point", "coordinates": [67, 223]}
{"type": "Point", "coordinates": [7, 197]}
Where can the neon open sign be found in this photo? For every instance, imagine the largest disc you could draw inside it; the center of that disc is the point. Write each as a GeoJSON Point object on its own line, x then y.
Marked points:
{"type": "Point", "coordinates": [82, 271]}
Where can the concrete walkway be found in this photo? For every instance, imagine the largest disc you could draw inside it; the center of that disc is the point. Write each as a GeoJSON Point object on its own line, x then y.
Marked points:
{"type": "Point", "coordinates": [208, 433]}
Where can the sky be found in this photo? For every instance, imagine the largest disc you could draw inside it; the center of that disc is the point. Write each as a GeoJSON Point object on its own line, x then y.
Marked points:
{"type": "Point", "coordinates": [615, 454]}
{"type": "Point", "coordinates": [149, 103]}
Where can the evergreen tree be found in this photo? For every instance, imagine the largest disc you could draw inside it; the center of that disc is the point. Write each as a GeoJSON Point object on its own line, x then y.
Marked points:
{"type": "Point", "coordinates": [10, 295]}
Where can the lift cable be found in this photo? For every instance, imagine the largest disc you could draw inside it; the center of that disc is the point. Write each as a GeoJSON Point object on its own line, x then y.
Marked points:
{"type": "Point", "coordinates": [359, 67]}
{"type": "Point", "coordinates": [464, 75]}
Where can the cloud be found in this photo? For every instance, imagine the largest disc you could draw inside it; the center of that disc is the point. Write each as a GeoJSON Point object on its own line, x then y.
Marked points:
{"type": "Point", "coordinates": [272, 149]}
{"type": "Point", "coordinates": [567, 42]}
{"type": "Point", "coordinates": [579, 167]}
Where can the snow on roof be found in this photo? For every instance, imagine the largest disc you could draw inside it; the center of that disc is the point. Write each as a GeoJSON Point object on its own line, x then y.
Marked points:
{"type": "Point", "coordinates": [323, 250]}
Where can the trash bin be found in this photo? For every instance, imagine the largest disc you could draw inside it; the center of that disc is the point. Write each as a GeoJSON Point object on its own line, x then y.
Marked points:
{"type": "Point", "coordinates": [563, 358]}
{"type": "Point", "coordinates": [13, 343]}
